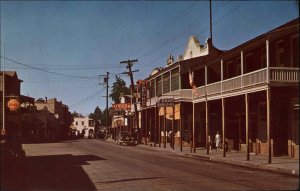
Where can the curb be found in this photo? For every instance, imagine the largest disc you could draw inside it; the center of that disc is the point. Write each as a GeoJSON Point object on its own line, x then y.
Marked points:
{"type": "Point", "coordinates": [247, 164]}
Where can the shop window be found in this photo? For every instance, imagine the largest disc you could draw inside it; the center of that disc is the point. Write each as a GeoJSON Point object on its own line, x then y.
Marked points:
{"type": "Point", "coordinates": [295, 123]}
{"type": "Point", "coordinates": [262, 128]}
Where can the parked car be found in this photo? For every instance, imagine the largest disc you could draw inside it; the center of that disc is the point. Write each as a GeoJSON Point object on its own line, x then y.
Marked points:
{"type": "Point", "coordinates": [125, 137]}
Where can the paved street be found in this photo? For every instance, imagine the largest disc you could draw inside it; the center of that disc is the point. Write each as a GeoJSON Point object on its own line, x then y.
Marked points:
{"type": "Point", "coordinates": [89, 164]}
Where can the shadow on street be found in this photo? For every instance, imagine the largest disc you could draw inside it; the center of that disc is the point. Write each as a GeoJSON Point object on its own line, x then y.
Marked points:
{"type": "Point", "coordinates": [58, 172]}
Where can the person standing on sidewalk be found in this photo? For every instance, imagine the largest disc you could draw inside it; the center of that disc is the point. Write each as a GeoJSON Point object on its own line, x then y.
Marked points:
{"type": "Point", "coordinates": [218, 141]}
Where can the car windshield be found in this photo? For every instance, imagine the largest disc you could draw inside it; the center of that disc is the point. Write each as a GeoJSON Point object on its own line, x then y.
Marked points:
{"type": "Point", "coordinates": [124, 133]}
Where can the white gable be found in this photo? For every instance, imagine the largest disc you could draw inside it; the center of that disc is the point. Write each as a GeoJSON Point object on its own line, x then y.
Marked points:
{"type": "Point", "coordinates": [195, 49]}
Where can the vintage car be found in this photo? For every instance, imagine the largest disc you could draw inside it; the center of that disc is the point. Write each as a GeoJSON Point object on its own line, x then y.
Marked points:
{"type": "Point", "coordinates": [126, 138]}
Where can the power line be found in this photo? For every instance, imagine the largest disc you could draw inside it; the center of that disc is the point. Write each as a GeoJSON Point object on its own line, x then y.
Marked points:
{"type": "Point", "coordinates": [67, 75]}
{"type": "Point", "coordinates": [86, 99]}
{"type": "Point", "coordinates": [183, 32]}
{"type": "Point", "coordinates": [65, 68]}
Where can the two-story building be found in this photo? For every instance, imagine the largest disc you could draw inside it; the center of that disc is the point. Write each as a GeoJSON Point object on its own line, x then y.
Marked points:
{"type": "Point", "coordinates": [55, 116]}
{"type": "Point", "coordinates": [14, 106]}
{"type": "Point", "coordinates": [85, 126]}
{"type": "Point", "coordinates": [250, 94]}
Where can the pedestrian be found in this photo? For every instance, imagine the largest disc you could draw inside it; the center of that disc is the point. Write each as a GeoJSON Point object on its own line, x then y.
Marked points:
{"type": "Point", "coordinates": [171, 136]}
{"type": "Point", "coordinates": [218, 141]}
{"type": "Point", "coordinates": [210, 143]}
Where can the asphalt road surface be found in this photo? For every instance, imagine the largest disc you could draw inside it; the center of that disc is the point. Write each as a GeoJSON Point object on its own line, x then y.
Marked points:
{"type": "Point", "coordinates": [88, 164]}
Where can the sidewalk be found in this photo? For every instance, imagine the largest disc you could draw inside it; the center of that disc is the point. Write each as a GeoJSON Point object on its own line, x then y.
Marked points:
{"type": "Point", "coordinates": [281, 164]}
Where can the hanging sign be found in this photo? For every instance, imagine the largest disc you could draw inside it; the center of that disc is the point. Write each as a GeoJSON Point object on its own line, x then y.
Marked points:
{"type": "Point", "coordinates": [120, 106]}
{"type": "Point", "coordinates": [13, 104]}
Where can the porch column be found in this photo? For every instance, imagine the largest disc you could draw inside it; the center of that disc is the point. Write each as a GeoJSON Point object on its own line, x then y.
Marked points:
{"type": "Point", "coordinates": [146, 126]}
{"type": "Point", "coordinates": [268, 60]}
{"type": "Point", "coordinates": [193, 138]}
{"type": "Point", "coordinates": [247, 127]}
{"type": "Point", "coordinates": [180, 125]}
{"type": "Point", "coordinates": [223, 127]}
{"type": "Point", "coordinates": [165, 121]}
{"type": "Point", "coordinates": [269, 125]}
{"type": "Point", "coordinates": [159, 128]}
{"type": "Point", "coordinates": [222, 75]}
{"type": "Point", "coordinates": [155, 125]}
{"type": "Point", "coordinates": [173, 133]}
{"type": "Point", "coordinates": [208, 137]}
{"type": "Point", "coordinates": [242, 67]}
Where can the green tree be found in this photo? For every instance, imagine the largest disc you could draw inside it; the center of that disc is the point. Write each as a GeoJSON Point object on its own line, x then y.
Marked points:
{"type": "Point", "coordinates": [118, 88]}
{"type": "Point", "coordinates": [103, 119]}
{"type": "Point", "coordinates": [97, 115]}
{"type": "Point", "coordinates": [75, 114]}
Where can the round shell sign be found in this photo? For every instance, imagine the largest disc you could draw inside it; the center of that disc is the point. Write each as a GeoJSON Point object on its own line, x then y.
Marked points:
{"type": "Point", "coordinates": [13, 104]}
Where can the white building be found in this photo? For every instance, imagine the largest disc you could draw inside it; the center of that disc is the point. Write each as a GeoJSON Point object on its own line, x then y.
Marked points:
{"type": "Point", "coordinates": [84, 123]}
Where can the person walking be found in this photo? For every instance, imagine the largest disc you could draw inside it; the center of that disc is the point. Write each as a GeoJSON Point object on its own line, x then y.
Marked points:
{"type": "Point", "coordinates": [218, 141]}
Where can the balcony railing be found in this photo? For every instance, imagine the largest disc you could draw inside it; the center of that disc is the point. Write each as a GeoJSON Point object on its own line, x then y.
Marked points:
{"type": "Point", "coordinates": [284, 74]}
{"type": "Point", "coordinates": [276, 74]}
{"type": "Point", "coordinates": [255, 77]}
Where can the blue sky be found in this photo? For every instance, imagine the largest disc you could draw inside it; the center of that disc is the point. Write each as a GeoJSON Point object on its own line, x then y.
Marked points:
{"type": "Point", "coordinates": [83, 39]}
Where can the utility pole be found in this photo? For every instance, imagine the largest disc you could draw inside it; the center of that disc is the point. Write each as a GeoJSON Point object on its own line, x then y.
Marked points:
{"type": "Point", "coordinates": [129, 73]}
{"type": "Point", "coordinates": [106, 77]}
{"type": "Point", "coordinates": [210, 18]}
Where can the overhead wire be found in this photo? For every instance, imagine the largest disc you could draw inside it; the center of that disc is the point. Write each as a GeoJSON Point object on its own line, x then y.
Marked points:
{"type": "Point", "coordinates": [85, 99]}
{"type": "Point", "coordinates": [182, 44]}
{"type": "Point", "coordinates": [47, 71]}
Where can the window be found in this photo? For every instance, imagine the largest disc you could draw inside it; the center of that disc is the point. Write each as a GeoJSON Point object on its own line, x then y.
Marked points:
{"type": "Point", "coordinates": [152, 89]}
{"type": "Point", "coordinates": [158, 86]}
{"type": "Point", "coordinates": [263, 58]}
{"type": "Point", "coordinates": [82, 123]}
{"type": "Point", "coordinates": [248, 64]}
{"type": "Point", "coordinates": [175, 79]}
{"type": "Point", "coordinates": [76, 123]}
{"type": "Point", "coordinates": [295, 51]}
{"type": "Point", "coordinates": [282, 53]}
{"type": "Point", "coordinates": [91, 123]}
{"type": "Point", "coordinates": [166, 82]}
{"type": "Point", "coordinates": [262, 128]}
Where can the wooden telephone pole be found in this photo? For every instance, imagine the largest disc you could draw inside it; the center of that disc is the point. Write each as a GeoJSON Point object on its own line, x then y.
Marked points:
{"type": "Point", "coordinates": [129, 73]}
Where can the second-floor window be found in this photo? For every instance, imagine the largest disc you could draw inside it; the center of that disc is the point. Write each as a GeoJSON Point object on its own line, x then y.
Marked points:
{"type": "Point", "coordinates": [175, 79]}
{"type": "Point", "coordinates": [82, 123]}
{"type": "Point", "coordinates": [158, 86]}
{"type": "Point", "coordinates": [295, 50]}
{"type": "Point", "coordinates": [152, 88]}
{"type": "Point", "coordinates": [282, 53]}
{"type": "Point", "coordinates": [166, 83]}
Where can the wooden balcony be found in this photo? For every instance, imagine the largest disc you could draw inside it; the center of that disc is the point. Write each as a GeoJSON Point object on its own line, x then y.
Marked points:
{"type": "Point", "coordinates": [279, 75]}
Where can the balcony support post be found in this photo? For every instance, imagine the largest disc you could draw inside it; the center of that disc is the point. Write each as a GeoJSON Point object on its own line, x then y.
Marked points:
{"type": "Point", "coordinates": [242, 68]}
{"type": "Point", "coordinates": [223, 128]}
{"type": "Point", "coordinates": [269, 125]}
{"type": "Point", "coordinates": [247, 126]}
{"type": "Point", "coordinates": [222, 75]}
{"type": "Point", "coordinates": [193, 138]}
{"type": "Point", "coordinates": [268, 60]}
{"type": "Point", "coordinates": [208, 136]}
